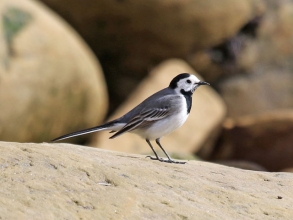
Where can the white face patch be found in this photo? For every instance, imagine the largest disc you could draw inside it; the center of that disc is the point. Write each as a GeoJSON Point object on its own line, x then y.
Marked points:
{"type": "Point", "coordinates": [188, 84]}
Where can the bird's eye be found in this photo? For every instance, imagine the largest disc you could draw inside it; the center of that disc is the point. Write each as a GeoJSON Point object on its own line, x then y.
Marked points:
{"type": "Point", "coordinates": [188, 81]}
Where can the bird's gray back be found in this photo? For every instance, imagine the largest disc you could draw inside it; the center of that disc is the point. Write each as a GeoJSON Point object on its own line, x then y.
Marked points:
{"type": "Point", "coordinates": [161, 99]}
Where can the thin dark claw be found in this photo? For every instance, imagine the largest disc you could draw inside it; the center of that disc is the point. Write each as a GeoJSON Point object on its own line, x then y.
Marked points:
{"type": "Point", "coordinates": [154, 158]}
{"type": "Point", "coordinates": [166, 160]}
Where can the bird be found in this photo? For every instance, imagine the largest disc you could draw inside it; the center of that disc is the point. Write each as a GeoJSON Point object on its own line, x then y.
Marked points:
{"type": "Point", "coordinates": [155, 117]}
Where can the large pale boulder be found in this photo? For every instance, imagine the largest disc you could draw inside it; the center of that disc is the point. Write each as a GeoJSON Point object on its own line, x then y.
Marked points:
{"type": "Point", "coordinates": [143, 24]}
{"type": "Point", "coordinates": [266, 139]}
{"type": "Point", "coordinates": [50, 81]}
{"type": "Point", "coordinates": [200, 129]}
{"type": "Point", "coordinates": [62, 181]}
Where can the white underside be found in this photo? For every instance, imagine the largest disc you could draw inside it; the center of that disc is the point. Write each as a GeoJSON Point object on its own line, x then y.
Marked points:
{"type": "Point", "coordinates": [165, 126]}
{"type": "Point", "coordinates": [162, 127]}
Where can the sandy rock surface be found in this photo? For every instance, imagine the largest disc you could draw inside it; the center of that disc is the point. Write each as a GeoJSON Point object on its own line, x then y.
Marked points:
{"type": "Point", "coordinates": [200, 129]}
{"type": "Point", "coordinates": [63, 181]}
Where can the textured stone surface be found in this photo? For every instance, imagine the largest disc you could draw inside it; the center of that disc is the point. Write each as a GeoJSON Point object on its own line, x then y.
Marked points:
{"type": "Point", "coordinates": [50, 82]}
{"type": "Point", "coordinates": [264, 139]}
{"type": "Point", "coordinates": [242, 164]}
{"type": "Point", "coordinates": [62, 181]}
{"type": "Point", "coordinates": [200, 129]}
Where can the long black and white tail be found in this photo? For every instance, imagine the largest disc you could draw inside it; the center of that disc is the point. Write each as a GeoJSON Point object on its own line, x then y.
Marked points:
{"type": "Point", "coordinates": [112, 125]}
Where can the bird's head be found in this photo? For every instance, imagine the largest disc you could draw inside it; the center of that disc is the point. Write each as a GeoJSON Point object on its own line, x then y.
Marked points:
{"type": "Point", "coordinates": [186, 83]}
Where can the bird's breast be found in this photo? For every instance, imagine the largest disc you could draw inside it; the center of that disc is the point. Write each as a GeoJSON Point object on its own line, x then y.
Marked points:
{"type": "Point", "coordinates": [167, 125]}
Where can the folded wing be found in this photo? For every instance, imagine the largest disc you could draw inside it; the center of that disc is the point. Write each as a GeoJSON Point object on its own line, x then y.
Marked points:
{"type": "Point", "coordinates": [154, 110]}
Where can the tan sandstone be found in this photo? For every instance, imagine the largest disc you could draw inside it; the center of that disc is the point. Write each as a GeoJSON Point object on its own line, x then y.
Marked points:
{"type": "Point", "coordinates": [63, 181]}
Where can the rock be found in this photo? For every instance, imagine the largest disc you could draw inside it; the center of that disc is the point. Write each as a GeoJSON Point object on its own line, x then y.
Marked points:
{"type": "Point", "coordinates": [288, 170]}
{"type": "Point", "coordinates": [62, 181]}
{"type": "Point", "coordinates": [199, 131]}
{"type": "Point", "coordinates": [131, 36]}
{"type": "Point", "coordinates": [263, 78]}
{"type": "Point", "coordinates": [265, 139]}
{"type": "Point", "coordinates": [50, 82]}
{"type": "Point", "coordinates": [257, 93]}
{"type": "Point", "coordinates": [246, 165]}
{"type": "Point", "coordinates": [227, 58]}
{"type": "Point", "coordinates": [196, 22]}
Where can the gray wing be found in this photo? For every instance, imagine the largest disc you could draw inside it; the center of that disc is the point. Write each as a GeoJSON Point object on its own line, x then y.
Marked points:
{"type": "Point", "coordinates": [152, 111]}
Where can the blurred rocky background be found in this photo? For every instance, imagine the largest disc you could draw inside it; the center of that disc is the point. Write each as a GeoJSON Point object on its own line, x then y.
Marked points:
{"type": "Point", "coordinates": [62, 62]}
{"type": "Point", "coordinates": [50, 81]}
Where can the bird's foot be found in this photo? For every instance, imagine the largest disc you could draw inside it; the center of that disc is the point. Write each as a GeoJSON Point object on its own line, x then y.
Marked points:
{"type": "Point", "coordinates": [173, 161]}
{"type": "Point", "coordinates": [166, 160]}
{"type": "Point", "coordinates": [154, 158]}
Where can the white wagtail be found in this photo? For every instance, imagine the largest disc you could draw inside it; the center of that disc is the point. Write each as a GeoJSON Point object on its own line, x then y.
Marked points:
{"type": "Point", "coordinates": [157, 116]}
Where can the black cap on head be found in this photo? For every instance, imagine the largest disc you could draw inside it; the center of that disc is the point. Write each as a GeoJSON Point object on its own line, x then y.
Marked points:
{"type": "Point", "coordinates": [176, 79]}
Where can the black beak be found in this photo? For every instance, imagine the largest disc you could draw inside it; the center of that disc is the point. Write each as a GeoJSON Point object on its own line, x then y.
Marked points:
{"type": "Point", "coordinates": [203, 83]}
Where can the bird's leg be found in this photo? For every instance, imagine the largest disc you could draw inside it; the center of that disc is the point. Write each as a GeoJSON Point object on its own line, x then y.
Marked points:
{"type": "Point", "coordinates": [153, 158]}
{"type": "Point", "coordinates": [170, 160]}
